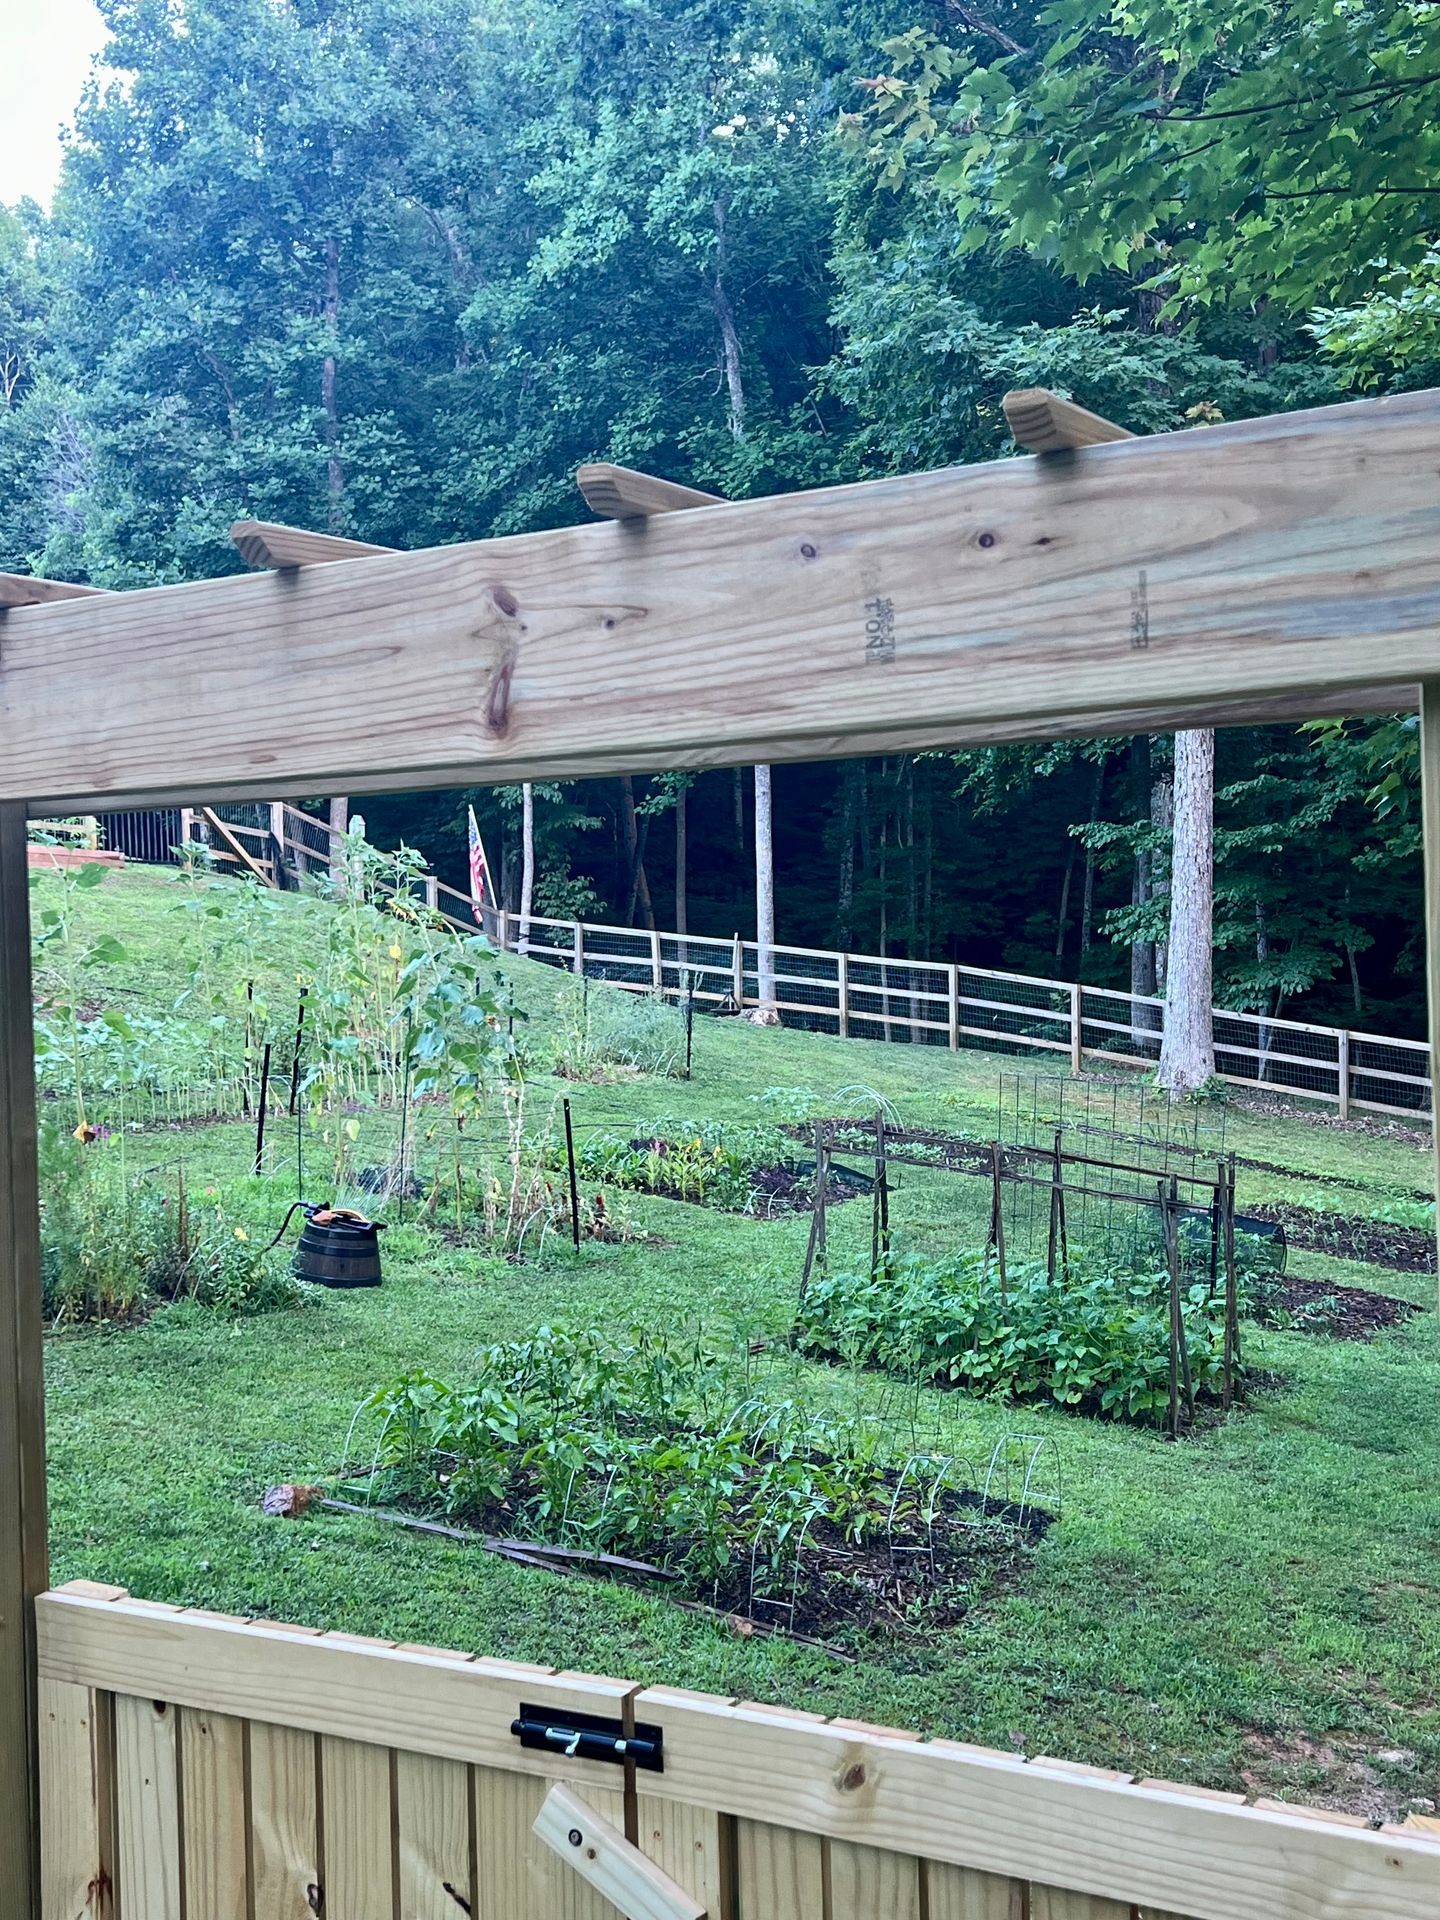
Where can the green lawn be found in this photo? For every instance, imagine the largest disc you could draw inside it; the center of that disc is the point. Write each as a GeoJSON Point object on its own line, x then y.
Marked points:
{"type": "Point", "coordinates": [1257, 1606]}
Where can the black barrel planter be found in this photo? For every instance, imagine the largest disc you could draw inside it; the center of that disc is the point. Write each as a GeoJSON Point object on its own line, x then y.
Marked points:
{"type": "Point", "coordinates": [1197, 1228]}
{"type": "Point", "coordinates": [338, 1247]}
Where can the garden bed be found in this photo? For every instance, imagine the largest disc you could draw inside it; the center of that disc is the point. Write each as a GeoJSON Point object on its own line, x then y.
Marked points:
{"type": "Point", "coordinates": [1317, 1306]}
{"type": "Point", "coordinates": [1351, 1236]}
{"type": "Point", "coordinates": [648, 1464]}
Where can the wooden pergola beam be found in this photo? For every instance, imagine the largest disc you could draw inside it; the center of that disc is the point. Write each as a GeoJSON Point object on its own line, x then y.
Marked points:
{"type": "Point", "coordinates": [264, 543]}
{"type": "Point", "coordinates": [1257, 566]}
{"type": "Point", "coordinates": [620, 493]}
{"type": "Point", "coordinates": [31, 590]}
{"type": "Point", "coordinates": [1043, 422]}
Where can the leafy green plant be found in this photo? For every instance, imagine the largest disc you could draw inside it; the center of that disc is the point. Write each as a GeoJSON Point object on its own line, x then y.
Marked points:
{"type": "Point", "coordinates": [639, 1448]}
{"type": "Point", "coordinates": [707, 1161]}
{"type": "Point", "coordinates": [1096, 1343]}
{"type": "Point", "coordinates": [600, 1028]}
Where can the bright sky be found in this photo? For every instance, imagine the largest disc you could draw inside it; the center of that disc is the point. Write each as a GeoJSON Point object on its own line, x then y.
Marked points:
{"type": "Point", "coordinates": [45, 50]}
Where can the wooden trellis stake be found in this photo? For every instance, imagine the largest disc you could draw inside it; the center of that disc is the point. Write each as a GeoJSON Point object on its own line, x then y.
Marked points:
{"type": "Point", "coordinates": [997, 1213]}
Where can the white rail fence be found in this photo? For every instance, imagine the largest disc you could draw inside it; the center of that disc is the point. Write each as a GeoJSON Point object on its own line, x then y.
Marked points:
{"type": "Point", "coordinates": [940, 1003]}
{"type": "Point", "coordinates": [923, 1002]}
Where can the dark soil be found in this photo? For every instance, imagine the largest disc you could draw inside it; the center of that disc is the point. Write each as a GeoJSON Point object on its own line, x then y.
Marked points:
{"type": "Point", "coordinates": [1315, 1306]}
{"type": "Point", "coordinates": [916, 1584]}
{"type": "Point", "coordinates": [1350, 1236]}
{"type": "Point", "coordinates": [920, 1580]}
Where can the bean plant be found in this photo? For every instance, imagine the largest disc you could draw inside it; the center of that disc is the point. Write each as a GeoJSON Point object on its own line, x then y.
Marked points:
{"type": "Point", "coordinates": [1095, 1342]}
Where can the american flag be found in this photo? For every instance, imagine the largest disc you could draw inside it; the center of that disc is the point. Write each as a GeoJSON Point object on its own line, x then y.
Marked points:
{"type": "Point", "coordinates": [479, 873]}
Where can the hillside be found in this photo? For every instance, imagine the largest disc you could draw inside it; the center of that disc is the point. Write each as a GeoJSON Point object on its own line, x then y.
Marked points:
{"type": "Point", "coordinates": [1254, 1606]}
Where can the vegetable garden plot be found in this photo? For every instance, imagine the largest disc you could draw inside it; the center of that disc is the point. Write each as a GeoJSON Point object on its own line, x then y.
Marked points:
{"type": "Point", "coordinates": [651, 1461]}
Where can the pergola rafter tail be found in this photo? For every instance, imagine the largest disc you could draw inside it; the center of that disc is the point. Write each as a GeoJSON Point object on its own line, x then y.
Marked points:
{"type": "Point", "coordinates": [1252, 570]}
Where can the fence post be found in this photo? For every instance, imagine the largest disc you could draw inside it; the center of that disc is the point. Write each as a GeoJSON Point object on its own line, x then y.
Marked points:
{"type": "Point", "coordinates": [1343, 1070]}
{"type": "Point", "coordinates": [953, 996]}
{"type": "Point", "coordinates": [657, 965]}
{"type": "Point", "coordinates": [737, 965]}
{"type": "Point", "coordinates": [1077, 1032]}
{"type": "Point", "coordinates": [577, 964]}
{"type": "Point", "coordinates": [502, 927]}
{"type": "Point", "coordinates": [432, 893]}
{"type": "Point", "coordinates": [187, 825]}
{"type": "Point", "coordinates": [842, 992]}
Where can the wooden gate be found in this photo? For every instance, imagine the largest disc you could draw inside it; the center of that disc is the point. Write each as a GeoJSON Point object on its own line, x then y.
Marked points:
{"type": "Point", "coordinates": [196, 1767]}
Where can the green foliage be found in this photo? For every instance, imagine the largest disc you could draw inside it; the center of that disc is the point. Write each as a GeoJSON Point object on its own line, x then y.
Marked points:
{"type": "Point", "coordinates": [112, 1247]}
{"type": "Point", "coordinates": [601, 1027]}
{"type": "Point", "coordinates": [636, 1448]}
{"type": "Point", "coordinates": [1236, 154]}
{"type": "Point", "coordinates": [705, 1161]}
{"type": "Point", "coordinates": [1095, 1343]}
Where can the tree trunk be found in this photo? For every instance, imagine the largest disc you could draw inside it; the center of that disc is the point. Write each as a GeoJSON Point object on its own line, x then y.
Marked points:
{"type": "Point", "coordinates": [764, 891]}
{"type": "Point", "coordinates": [335, 473]}
{"type": "Point", "coordinates": [1062, 915]}
{"type": "Point", "coordinates": [1087, 896]}
{"type": "Point", "coordinates": [637, 885]}
{"type": "Point", "coordinates": [1187, 1054]}
{"type": "Point", "coordinates": [339, 826]}
{"type": "Point", "coordinates": [845, 882]}
{"type": "Point", "coordinates": [1162, 819]}
{"type": "Point", "coordinates": [729, 336]}
{"type": "Point", "coordinates": [1262, 954]}
{"type": "Point", "coordinates": [527, 862]}
{"type": "Point", "coordinates": [681, 858]}
{"type": "Point", "coordinates": [1142, 951]}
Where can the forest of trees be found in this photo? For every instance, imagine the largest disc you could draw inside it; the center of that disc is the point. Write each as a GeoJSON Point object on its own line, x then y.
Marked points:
{"type": "Point", "coordinates": [395, 269]}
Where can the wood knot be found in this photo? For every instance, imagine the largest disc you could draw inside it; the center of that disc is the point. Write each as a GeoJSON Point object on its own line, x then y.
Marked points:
{"type": "Point", "coordinates": [853, 1778]}
{"type": "Point", "coordinates": [497, 706]}
{"type": "Point", "coordinates": [315, 1898]}
{"type": "Point", "coordinates": [505, 601]}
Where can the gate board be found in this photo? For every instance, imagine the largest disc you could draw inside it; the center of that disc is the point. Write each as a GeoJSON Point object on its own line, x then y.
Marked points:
{"type": "Point", "coordinates": [272, 1773]}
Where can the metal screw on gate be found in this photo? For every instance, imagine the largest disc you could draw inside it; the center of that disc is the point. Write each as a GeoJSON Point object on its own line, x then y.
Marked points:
{"type": "Point", "coordinates": [575, 1837]}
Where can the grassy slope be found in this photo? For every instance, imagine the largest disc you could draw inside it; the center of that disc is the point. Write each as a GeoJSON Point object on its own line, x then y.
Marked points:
{"type": "Point", "coordinates": [1260, 1605]}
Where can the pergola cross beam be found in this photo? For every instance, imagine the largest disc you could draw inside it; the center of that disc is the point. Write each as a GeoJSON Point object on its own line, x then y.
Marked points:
{"type": "Point", "coordinates": [1258, 570]}
{"type": "Point", "coordinates": [1244, 571]}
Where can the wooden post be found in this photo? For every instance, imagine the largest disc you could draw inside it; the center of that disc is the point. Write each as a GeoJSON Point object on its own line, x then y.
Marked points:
{"type": "Point", "coordinates": [261, 1111]}
{"type": "Point", "coordinates": [1058, 1234]}
{"type": "Point", "coordinates": [1187, 1379]}
{"type": "Point", "coordinates": [880, 1211]}
{"type": "Point", "coordinates": [502, 929]}
{"type": "Point", "coordinates": [997, 1213]}
{"type": "Point", "coordinates": [577, 964]}
{"type": "Point", "coordinates": [657, 965]}
{"type": "Point", "coordinates": [1430, 817]}
{"type": "Point", "coordinates": [574, 1184]}
{"type": "Point", "coordinates": [737, 964]}
{"type": "Point", "coordinates": [432, 893]}
{"type": "Point", "coordinates": [1166, 1224]}
{"type": "Point", "coordinates": [1077, 1031]}
{"type": "Point", "coordinates": [278, 838]}
{"type": "Point", "coordinates": [842, 993]}
{"type": "Point", "coordinates": [187, 825]}
{"type": "Point", "coordinates": [24, 1570]}
{"type": "Point", "coordinates": [1224, 1206]}
{"type": "Point", "coordinates": [815, 1245]}
{"type": "Point", "coordinates": [953, 985]}
{"type": "Point", "coordinates": [1232, 1290]}
{"type": "Point", "coordinates": [1342, 1068]}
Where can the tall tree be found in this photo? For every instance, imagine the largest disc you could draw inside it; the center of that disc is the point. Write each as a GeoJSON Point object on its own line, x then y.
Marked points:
{"type": "Point", "coordinates": [527, 862]}
{"type": "Point", "coordinates": [765, 894]}
{"type": "Point", "coordinates": [1187, 1051]}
